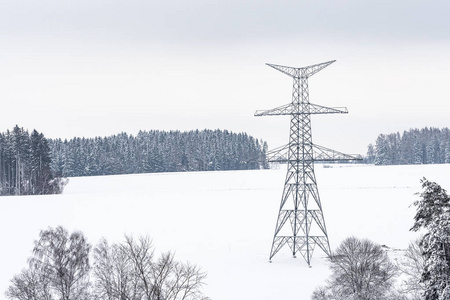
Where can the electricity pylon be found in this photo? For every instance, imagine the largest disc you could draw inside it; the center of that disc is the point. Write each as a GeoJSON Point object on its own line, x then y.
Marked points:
{"type": "Point", "coordinates": [300, 223]}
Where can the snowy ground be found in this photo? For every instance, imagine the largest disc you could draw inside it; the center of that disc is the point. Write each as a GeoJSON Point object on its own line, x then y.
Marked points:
{"type": "Point", "coordinates": [222, 221]}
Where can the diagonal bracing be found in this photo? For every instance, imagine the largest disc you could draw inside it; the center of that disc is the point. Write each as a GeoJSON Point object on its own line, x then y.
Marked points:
{"type": "Point", "coordinates": [300, 223]}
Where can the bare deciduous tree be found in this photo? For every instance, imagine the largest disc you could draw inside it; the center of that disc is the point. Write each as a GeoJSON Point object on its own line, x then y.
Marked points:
{"type": "Point", "coordinates": [113, 273]}
{"type": "Point", "coordinates": [64, 259]}
{"type": "Point", "coordinates": [59, 268]}
{"type": "Point", "coordinates": [321, 293]}
{"type": "Point", "coordinates": [129, 271]}
{"type": "Point", "coordinates": [361, 270]}
{"type": "Point", "coordinates": [30, 284]}
{"type": "Point", "coordinates": [411, 267]}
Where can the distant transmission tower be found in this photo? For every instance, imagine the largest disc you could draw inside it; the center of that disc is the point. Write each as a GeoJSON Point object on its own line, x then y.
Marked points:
{"type": "Point", "coordinates": [300, 223]}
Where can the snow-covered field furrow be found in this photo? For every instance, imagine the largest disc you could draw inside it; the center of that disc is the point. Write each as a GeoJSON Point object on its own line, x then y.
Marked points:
{"type": "Point", "coordinates": [222, 221]}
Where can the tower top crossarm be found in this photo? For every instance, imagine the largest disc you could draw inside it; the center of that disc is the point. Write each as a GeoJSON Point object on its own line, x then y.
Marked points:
{"type": "Point", "coordinates": [303, 72]}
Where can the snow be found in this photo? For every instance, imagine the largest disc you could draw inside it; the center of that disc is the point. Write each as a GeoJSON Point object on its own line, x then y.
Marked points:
{"type": "Point", "coordinates": [222, 221]}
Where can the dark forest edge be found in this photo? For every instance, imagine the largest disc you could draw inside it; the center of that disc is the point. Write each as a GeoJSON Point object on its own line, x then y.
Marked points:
{"type": "Point", "coordinates": [30, 164]}
{"type": "Point", "coordinates": [25, 164]}
{"type": "Point", "coordinates": [416, 146]}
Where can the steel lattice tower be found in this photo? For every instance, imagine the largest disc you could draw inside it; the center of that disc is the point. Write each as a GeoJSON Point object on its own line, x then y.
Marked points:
{"type": "Point", "coordinates": [300, 223]}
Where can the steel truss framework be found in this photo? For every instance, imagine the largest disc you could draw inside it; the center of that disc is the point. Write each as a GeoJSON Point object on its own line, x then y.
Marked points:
{"type": "Point", "coordinates": [301, 223]}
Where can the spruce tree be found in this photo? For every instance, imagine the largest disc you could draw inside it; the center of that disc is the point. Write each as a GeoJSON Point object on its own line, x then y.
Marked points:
{"type": "Point", "coordinates": [370, 154]}
{"type": "Point", "coordinates": [433, 215]}
{"type": "Point", "coordinates": [381, 148]}
{"type": "Point", "coordinates": [40, 163]}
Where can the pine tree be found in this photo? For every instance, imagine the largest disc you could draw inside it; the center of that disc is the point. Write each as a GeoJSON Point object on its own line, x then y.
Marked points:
{"type": "Point", "coordinates": [445, 148]}
{"type": "Point", "coordinates": [433, 214]}
{"type": "Point", "coordinates": [21, 150]}
{"type": "Point", "coordinates": [381, 148]}
{"type": "Point", "coordinates": [40, 164]}
{"type": "Point", "coordinates": [3, 164]}
{"type": "Point", "coordinates": [370, 154]}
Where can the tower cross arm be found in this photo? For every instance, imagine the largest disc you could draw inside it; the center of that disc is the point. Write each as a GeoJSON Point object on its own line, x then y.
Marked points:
{"type": "Point", "coordinates": [319, 109]}
{"type": "Point", "coordinates": [279, 154]}
{"type": "Point", "coordinates": [289, 109]}
{"type": "Point", "coordinates": [325, 154]}
{"type": "Point", "coordinates": [281, 110]}
{"type": "Point", "coordinates": [303, 72]}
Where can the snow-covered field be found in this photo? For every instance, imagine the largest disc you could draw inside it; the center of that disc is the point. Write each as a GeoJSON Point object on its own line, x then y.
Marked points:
{"type": "Point", "coordinates": [222, 221]}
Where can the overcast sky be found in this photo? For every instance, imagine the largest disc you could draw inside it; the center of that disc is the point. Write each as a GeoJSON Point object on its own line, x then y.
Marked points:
{"type": "Point", "coordinates": [96, 67]}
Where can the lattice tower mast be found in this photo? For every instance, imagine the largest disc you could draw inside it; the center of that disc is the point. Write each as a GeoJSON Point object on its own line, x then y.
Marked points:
{"type": "Point", "coordinates": [301, 223]}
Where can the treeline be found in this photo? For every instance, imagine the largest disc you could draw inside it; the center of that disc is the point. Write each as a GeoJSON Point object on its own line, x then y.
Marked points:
{"type": "Point", "coordinates": [416, 146]}
{"type": "Point", "coordinates": [25, 164]}
{"type": "Point", "coordinates": [30, 164]}
{"type": "Point", "coordinates": [157, 151]}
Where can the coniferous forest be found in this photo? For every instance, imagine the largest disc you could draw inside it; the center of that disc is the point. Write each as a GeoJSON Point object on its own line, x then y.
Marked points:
{"type": "Point", "coordinates": [30, 164]}
{"type": "Point", "coordinates": [157, 151]}
{"type": "Point", "coordinates": [416, 146]}
{"type": "Point", "coordinates": [25, 161]}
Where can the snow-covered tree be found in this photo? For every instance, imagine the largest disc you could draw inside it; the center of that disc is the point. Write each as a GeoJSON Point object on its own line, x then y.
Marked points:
{"type": "Point", "coordinates": [416, 146]}
{"type": "Point", "coordinates": [433, 215]}
{"type": "Point", "coordinates": [418, 153]}
{"type": "Point", "coordinates": [446, 151]}
{"type": "Point", "coordinates": [370, 154]}
{"type": "Point", "coordinates": [382, 151]}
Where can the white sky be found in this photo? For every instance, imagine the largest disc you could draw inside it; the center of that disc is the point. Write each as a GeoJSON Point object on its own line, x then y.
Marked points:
{"type": "Point", "coordinates": [100, 67]}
